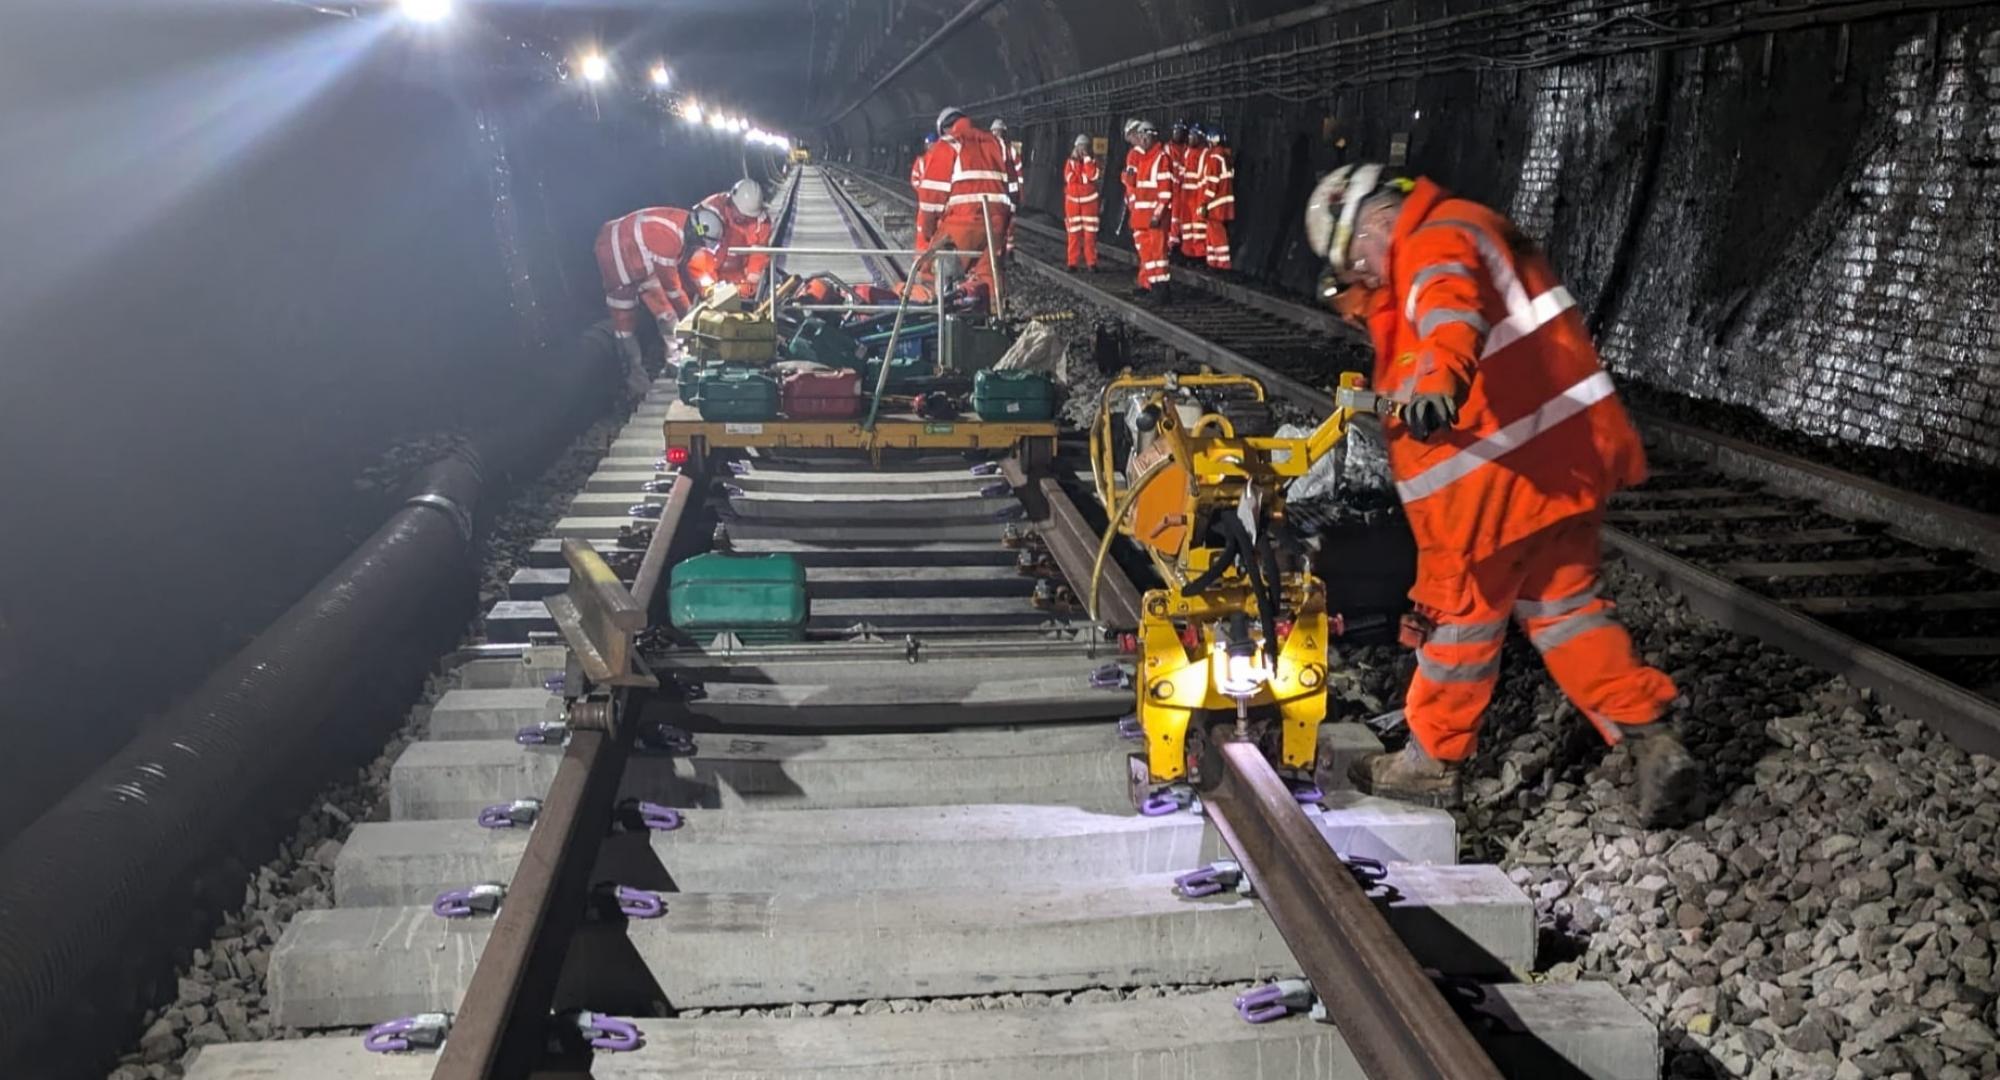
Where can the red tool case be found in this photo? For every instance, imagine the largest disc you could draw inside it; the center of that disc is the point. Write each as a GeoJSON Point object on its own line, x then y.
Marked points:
{"type": "Point", "coordinates": [821, 395]}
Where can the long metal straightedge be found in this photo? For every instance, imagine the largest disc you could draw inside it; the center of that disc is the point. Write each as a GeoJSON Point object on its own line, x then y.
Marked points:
{"type": "Point", "coordinates": [1395, 1021]}
{"type": "Point", "coordinates": [502, 1022]}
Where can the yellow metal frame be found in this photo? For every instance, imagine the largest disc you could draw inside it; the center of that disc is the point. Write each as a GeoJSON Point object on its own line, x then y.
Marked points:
{"type": "Point", "coordinates": [1210, 469]}
{"type": "Point", "coordinates": [685, 428]}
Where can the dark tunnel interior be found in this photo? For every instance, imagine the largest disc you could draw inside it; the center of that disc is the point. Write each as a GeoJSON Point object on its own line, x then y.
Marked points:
{"type": "Point", "coordinates": [256, 255]}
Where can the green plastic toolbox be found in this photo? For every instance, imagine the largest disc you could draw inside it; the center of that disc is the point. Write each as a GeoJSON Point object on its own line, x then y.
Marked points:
{"type": "Point", "coordinates": [821, 342]}
{"type": "Point", "coordinates": [737, 395]}
{"type": "Point", "coordinates": [688, 378]}
{"type": "Point", "coordinates": [759, 598]}
{"type": "Point", "coordinates": [1014, 395]}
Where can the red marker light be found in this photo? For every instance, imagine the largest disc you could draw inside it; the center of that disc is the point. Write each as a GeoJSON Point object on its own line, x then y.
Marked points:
{"type": "Point", "coordinates": [677, 455]}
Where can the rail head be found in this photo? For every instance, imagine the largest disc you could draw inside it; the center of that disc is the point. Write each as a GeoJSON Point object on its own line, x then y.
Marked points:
{"type": "Point", "coordinates": [1395, 1020]}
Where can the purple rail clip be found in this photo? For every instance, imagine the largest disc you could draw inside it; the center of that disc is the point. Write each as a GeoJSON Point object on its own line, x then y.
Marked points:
{"type": "Point", "coordinates": [1276, 1000]}
{"type": "Point", "coordinates": [638, 903]}
{"type": "Point", "coordinates": [1309, 795]}
{"type": "Point", "coordinates": [542, 733]}
{"type": "Point", "coordinates": [423, 1031]}
{"type": "Point", "coordinates": [1159, 805]}
{"type": "Point", "coordinates": [740, 468]}
{"type": "Point", "coordinates": [1110, 677]}
{"type": "Point", "coordinates": [465, 903]}
{"type": "Point", "coordinates": [1209, 880]}
{"type": "Point", "coordinates": [649, 511]}
{"type": "Point", "coordinates": [986, 468]}
{"type": "Point", "coordinates": [652, 815]}
{"type": "Point", "coordinates": [554, 684]}
{"type": "Point", "coordinates": [996, 491]}
{"type": "Point", "coordinates": [511, 814]}
{"type": "Point", "coordinates": [608, 1033]}
{"type": "Point", "coordinates": [732, 491]}
{"type": "Point", "coordinates": [1129, 727]}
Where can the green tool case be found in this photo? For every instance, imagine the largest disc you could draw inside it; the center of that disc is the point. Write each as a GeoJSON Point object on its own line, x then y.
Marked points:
{"type": "Point", "coordinates": [759, 598]}
{"type": "Point", "coordinates": [688, 379]}
{"type": "Point", "coordinates": [1014, 395]}
{"type": "Point", "coordinates": [737, 395]}
{"type": "Point", "coordinates": [821, 342]}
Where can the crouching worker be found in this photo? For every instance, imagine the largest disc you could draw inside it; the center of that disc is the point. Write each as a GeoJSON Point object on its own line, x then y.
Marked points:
{"type": "Point", "coordinates": [656, 257]}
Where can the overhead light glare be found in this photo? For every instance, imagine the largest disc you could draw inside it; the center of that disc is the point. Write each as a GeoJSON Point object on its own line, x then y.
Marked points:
{"type": "Point", "coordinates": [426, 11]}
{"type": "Point", "coordinates": [596, 68]}
{"type": "Point", "coordinates": [660, 76]}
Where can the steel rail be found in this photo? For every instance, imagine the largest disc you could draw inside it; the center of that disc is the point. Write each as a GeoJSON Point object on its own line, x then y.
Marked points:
{"type": "Point", "coordinates": [1968, 720]}
{"type": "Point", "coordinates": [501, 1024]}
{"type": "Point", "coordinates": [1396, 1023]}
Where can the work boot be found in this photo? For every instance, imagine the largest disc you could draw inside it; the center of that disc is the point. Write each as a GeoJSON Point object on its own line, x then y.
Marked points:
{"type": "Point", "coordinates": [1410, 775]}
{"type": "Point", "coordinates": [1163, 294]}
{"type": "Point", "coordinates": [1667, 776]}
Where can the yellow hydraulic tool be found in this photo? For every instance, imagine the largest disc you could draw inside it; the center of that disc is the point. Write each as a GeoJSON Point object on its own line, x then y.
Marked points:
{"type": "Point", "coordinates": [1240, 627]}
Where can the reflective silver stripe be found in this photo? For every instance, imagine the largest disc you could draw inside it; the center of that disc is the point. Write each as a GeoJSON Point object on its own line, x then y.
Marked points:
{"type": "Point", "coordinates": [1226, 200]}
{"type": "Point", "coordinates": [984, 197]}
{"type": "Point", "coordinates": [1444, 672]}
{"type": "Point", "coordinates": [1427, 275]}
{"type": "Point", "coordinates": [1570, 402]}
{"type": "Point", "coordinates": [1550, 637]}
{"type": "Point", "coordinates": [1561, 605]}
{"type": "Point", "coordinates": [616, 304]}
{"type": "Point", "coordinates": [1444, 316]}
{"type": "Point", "coordinates": [958, 174]}
{"type": "Point", "coordinates": [1540, 311]}
{"type": "Point", "coordinates": [1469, 633]}
{"type": "Point", "coordinates": [1092, 197]}
{"type": "Point", "coordinates": [934, 185]}
{"type": "Point", "coordinates": [930, 206]}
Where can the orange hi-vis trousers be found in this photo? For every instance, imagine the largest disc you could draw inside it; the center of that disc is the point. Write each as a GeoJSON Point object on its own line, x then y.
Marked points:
{"type": "Point", "coordinates": [1549, 582]}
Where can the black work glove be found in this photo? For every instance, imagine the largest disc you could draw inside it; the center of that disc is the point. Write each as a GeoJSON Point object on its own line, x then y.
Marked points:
{"type": "Point", "coordinates": [1428, 414]}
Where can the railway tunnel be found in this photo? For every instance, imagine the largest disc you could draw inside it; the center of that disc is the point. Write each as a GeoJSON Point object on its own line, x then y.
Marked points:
{"type": "Point", "coordinates": [428, 651]}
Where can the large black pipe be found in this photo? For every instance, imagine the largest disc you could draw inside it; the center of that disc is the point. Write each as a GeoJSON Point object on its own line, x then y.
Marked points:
{"type": "Point", "coordinates": [83, 882]}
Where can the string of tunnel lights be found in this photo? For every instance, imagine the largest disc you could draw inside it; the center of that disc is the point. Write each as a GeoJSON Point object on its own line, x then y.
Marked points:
{"type": "Point", "coordinates": [596, 69]}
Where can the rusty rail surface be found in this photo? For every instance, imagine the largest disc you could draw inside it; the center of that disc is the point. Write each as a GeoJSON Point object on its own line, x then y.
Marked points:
{"type": "Point", "coordinates": [501, 1024]}
{"type": "Point", "coordinates": [1396, 1022]}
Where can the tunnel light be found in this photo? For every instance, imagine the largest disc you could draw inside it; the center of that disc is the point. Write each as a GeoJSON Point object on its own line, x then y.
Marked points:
{"type": "Point", "coordinates": [596, 68]}
{"type": "Point", "coordinates": [691, 111]}
{"type": "Point", "coordinates": [660, 76]}
{"type": "Point", "coordinates": [718, 121]}
{"type": "Point", "coordinates": [1417, 114]}
{"type": "Point", "coordinates": [426, 11]}
{"type": "Point", "coordinates": [737, 125]}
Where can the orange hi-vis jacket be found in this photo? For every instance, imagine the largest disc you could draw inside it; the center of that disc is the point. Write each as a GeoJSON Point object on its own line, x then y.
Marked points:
{"type": "Point", "coordinates": [1218, 184]}
{"type": "Point", "coordinates": [740, 232]}
{"type": "Point", "coordinates": [645, 259]}
{"type": "Point", "coordinates": [1473, 308]}
{"type": "Point", "coordinates": [1150, 178]}
{"type": "Point", "coordinates": [1081, 177]}
{"type": "Point", "coordinates": [965, 176]}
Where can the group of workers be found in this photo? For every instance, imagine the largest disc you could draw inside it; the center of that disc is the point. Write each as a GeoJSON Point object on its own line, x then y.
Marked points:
{"type": "Point", "coordinates": [1505, 434]}
{"type": "Point", "coordinates": [664, 258]}
{"type": "Point", "coordinates": [1180, 195]}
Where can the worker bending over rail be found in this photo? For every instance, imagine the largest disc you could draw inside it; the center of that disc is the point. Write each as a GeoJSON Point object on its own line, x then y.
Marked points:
{"type": "Point", "coordinates": [963, 203]}
{"type": "Point", "coordinates": [656, 257]}
{"type": "Point", "coordinates": [1508, 441]}
{"type": "Point", "coordinates": [745, 223]}
{"type": "Point", "coordinates": [1082, 178]}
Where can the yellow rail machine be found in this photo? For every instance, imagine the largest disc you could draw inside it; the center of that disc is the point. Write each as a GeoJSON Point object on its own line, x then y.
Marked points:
{"type": "Point", "coordinates": [1234, 645]}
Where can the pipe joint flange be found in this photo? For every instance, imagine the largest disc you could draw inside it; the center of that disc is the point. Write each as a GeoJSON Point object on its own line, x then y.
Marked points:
{"type": "Point", "coordinates": [449, 507]}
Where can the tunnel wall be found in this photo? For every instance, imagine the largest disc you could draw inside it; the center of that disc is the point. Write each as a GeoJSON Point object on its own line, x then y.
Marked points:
{"type": "Point", "coordinates": [1801, 227]}
{"type": "Point", "coordinates": [251, 250]}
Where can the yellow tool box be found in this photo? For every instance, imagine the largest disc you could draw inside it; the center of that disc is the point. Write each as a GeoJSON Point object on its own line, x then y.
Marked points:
{"type": "Point", "coordinates": [733, 337]}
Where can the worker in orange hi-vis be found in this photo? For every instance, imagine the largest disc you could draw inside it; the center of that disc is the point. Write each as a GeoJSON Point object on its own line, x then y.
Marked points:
{"type": "Point", "coordinates": [1507, 441]}
{"type": "Point", "coordinates": [1016, 180]}
{"type": "Point", "coordinates": [965, 204]}
{"type": "Point", "coordinates": [745, 224]}
{"type": "Point", "coordinates": [1216, 199]}
{"type": "Point", "coordinates": [1082, 179]}
{"type": "Point", "coordinates": [1188, 215]}
{"type": "Point", "coordinates": [1150, 179]}
{"type": "Point", "coordinates": [657, 258]}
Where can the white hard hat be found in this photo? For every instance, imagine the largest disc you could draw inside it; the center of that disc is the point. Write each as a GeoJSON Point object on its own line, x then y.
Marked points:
{"type": "Point", "coordinates": [999, 126]}
{"type": "Point", "coordinates": [1334, 205]}
{"type": "Point", "coordinates": [706, 225]}
{"type": "Point", "coordinates": [748, 198]}
{"type": "Point", "coordinates": [1081, 140]}
{"type": "Point", "coordinates": [1132, 126]}
{"type": "Point", "coordinates": [947, 116]}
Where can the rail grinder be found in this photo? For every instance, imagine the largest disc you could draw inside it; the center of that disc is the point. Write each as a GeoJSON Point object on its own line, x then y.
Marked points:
{"type": "Point", "coordinates": [1234, 645]}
